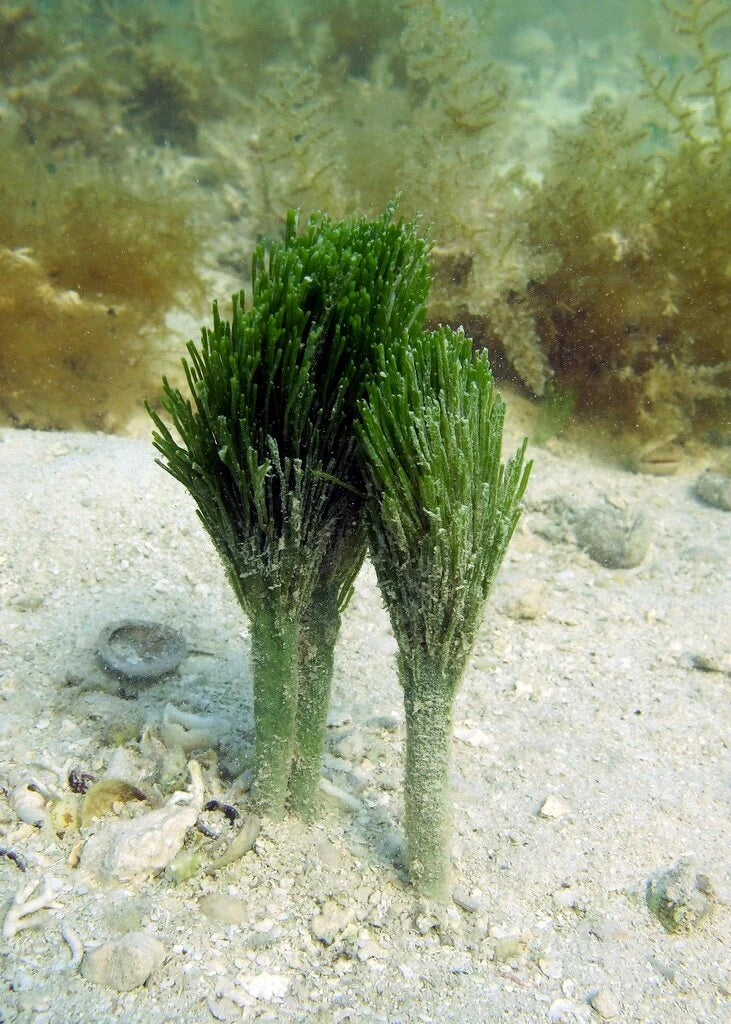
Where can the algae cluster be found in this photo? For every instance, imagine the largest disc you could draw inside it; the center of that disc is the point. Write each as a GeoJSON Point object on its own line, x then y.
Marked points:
{"type": "Point", "coordinates": [584, 249]}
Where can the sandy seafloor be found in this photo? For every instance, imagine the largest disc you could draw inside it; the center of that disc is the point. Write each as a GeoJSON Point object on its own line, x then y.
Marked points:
{"type": "Point", "coordinates": [596, 700]}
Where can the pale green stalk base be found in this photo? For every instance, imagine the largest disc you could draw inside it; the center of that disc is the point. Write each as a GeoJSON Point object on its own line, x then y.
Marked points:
{"type": "Point", "coordinates": [427, 795]}
{"type": "Point", "coordinates": [318, 634]}
{"type": "Point", "coordinates": [274, 643]}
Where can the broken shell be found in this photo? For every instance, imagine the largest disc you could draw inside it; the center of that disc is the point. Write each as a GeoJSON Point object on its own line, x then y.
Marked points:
{"type": "Point", "coordinates": [101, 797]}
{"type": "Point", "coordinates": [188, 731]}
{"type": "Point", "coordinates": [242, 842]}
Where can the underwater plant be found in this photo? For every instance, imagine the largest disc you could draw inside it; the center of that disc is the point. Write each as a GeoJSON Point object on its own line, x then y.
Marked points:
{"type": "Point", "coordinates": [441, 510]}
{"type": "Point", "coordinates": [269, 454]}
{"type": "Point", "coordinates": [91, 264]}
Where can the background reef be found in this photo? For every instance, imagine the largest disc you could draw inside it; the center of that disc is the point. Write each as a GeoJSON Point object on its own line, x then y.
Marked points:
{"type": "Point", "coordinates": [572, 168]}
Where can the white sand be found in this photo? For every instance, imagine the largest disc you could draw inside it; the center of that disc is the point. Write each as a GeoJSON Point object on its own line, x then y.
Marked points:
{"type": "Point", "coordinates": [595, 701]}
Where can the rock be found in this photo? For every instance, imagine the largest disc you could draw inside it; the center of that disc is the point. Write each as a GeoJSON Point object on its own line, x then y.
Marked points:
{"type": "Point", "coordinates": [714, 489]}
{"type": "Point", "coordinates": [529, 605]}
{"type": "Point", "coordinates": [506, 944]}
{"type": "Point", "coordinates": [605, 1003]}
{"type": "Point", "coordinates": [550, 968]}
{"type": "Point", "coordinates": [218, 906]}
{"type": "Point", "coordinates": [615, 538]}
{"type": "Point", "coordinates": [679, 897]}
{"type": "Point", "coordinates": [126, 850]}
{"type": "Point", "coordinates": [330, 922]}
{"type": "Point", "coordinates": [565, 1011]}
{"type": "Point", "coordinates": [328, 853]}
{"type": "Point", "coordinates": [554, 807]}
{"type": "Point", "coordinates": [266, 986]}
{"type": "Point", "coordinates": [124, 964]}
{"type": "Point", "coordinates": [465, 901]}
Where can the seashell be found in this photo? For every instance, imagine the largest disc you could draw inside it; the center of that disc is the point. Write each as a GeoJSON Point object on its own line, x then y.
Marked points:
{"type": "Point", "coordinates": [29, 805]}
{"type": "Point", "coordinates": [101, 797]}
{"type": "Point", "coordinates": [242, 842]}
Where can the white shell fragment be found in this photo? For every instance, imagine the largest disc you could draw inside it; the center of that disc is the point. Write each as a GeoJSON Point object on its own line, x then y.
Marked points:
{"type": "Point", "coordinates": [187, 731]}
{"type": "Point", "coordinates": [269, 987]}
{"type": "Point", "coordinates": [126, 963]}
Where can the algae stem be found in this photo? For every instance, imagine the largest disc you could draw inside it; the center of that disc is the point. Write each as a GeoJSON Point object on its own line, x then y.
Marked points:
{"type": "Point", "coordinates": [428, 702]}
{"type": "Point", "coordinates": [318, 635]}
{"type": "Point", "coordinates": [274, 643]}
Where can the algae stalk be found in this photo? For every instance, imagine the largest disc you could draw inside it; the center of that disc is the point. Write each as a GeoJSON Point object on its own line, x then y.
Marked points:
{"type": "Point", "coordinates": [428, 700]}
{"type": "Point", "coordinates": [316, 654]}
{"type": "Point", "coordinates": [441, 510]}
{"type": "Point", "coordinates": [274, 643]}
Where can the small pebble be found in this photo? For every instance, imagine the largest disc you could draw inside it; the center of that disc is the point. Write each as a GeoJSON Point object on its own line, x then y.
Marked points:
{"type": "Point", "coordinates": [565, 1011]}
{"type": "Point", "coordinates": [506, 945]}
{"type": "Point", "coordinates": [527, 606]}
{"type": "Point", "coordinates": [608, 931]}
{"type": "Point", "coordinates": [605, 1004]}
{"type": "Point", "coordinates": [224, 1009]}
{"type": "Point", "coordinates": [330, 922]}
{"type": "Point", "coordinates": [270, 987]}
{"type": "Point", "coordinates": [554, 807]}
{"type": "Point", "coordinates": [615, 538]}
{"type": "Point", "coordinates": [328, 853]}
{"type": "Point", "coordinates": [218, 906]}
{"type": "Point", "coordinates": [550, 968]}
{"type": "Point", "coordinates": [714, 489]}
{"type": "Point", "coordinates": [124, 964]}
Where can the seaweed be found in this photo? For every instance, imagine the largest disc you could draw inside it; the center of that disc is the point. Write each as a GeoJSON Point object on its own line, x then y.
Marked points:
{"type": "Point", "coordinates": [267, 451]}
{"type": "Point", "coordinates": [632, 309]}
{"type": "Point", "coordinates": [91, 265]}
{"type": "Point", "coordinates": [441, 510]}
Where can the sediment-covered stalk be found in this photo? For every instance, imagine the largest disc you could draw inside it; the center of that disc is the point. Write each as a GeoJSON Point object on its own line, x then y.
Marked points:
{"type": "Point", "coordinates": [274, 646]}
{"type": "Point", "coordinates": [316, 655]}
